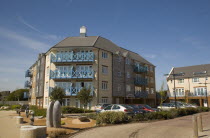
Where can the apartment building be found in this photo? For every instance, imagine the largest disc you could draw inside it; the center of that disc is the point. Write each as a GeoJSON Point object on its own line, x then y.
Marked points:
{"type": "Point", "coordinates": [114, 74]}
{"type": "Point", "coordinates": [191, 84]}
{"type": "Point", "coordinates": [36, 75]}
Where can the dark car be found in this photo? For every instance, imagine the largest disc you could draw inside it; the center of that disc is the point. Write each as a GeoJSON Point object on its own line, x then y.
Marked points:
{"type": "Point", "coordinates": [147, 108]}
{"type": "Point", "coordinates": [138, 110]}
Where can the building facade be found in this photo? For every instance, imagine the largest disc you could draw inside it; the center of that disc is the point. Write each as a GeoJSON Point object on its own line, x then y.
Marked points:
{"type": "Point", "coordinates": [192, 84]}
{"type": "Point", "coordinates": [114, 74]}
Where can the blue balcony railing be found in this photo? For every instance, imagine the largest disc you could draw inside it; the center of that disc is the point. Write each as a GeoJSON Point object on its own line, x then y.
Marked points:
{"type": "Point", "coordinates": [73, 57]}
{"type": "Point", "coordinates": [84, 74]}
{"type": "Point", "coordinates": [28, 84]}
{"type": "Point", "coordinates": [140, 69]}
{"type": "Point", "coordinates": [141, 94]}
{"type": "Point", "coordinates": [73, 91]}
{"type": "Point", "coordinates": [140, 81]}
{"type": "Point", "coordinates": [28, 73]}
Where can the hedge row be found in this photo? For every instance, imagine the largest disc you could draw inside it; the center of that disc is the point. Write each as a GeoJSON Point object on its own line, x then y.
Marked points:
{"type": "Point", "coordinates": [120, 117]}
{"type": "Point", "coordinates": [69, 110]}
{"type": "Point", "coordinates": [38, 112]}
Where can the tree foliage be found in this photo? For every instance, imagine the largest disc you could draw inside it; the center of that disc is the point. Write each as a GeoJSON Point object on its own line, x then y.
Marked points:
{"type": "Point", "coordinates": [85, 96]}
{"type": "Point", "coordinates": [57, 94]}
{"type": "Point", "coordinates": [17, 95]}
{"type": "Point", "coordinates": [163, 94]}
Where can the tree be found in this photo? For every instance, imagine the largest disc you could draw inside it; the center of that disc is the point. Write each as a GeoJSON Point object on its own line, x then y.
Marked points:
{"type": "Point", "coordinates": [57, 94]}
{"type": "Point", "coordinates": [163, 94]}
{"type": "Point", "coordinates": [17, 95]}
{"type": "Point", "coordinates": [0, 96]}
{"type": "Point", "coordinates": [85, 96]}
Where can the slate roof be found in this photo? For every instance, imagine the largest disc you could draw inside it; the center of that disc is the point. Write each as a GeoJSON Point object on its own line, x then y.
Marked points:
{"type": "Point", "coordinates": [192, 71]}
{"type": "Point", "coordinates": [99, 42]}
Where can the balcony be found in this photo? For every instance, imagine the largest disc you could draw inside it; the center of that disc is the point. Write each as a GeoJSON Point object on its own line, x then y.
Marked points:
{"type": "Point", "coordinates": [140, 81]}
{"type": "Point", "coordinates": [73, 57]}
{"type": "Point", "coordinates": [73, 91]}
{"type": "Point", "coordinates": [140, 69]}
{"type": "Point", "coordinates": [28, 84]}
{"type": "Point", "coordinates": [77, 74]}
{"type": "Point", "coordinates": [28, 73]}
{"type": "Point", "coordinates": [141, 94]}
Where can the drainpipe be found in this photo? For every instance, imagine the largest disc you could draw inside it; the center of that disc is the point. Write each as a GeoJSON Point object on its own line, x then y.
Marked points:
{"type": "Point", "coordinates": [98, 77]}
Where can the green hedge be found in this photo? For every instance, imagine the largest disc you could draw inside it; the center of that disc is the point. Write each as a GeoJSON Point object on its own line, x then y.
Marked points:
{"type": "Point", "coordinates": [13, 107]}
{"type": "Point", "coordinates": [112, 118]}
{"type": "Point", "coordinates": [38, 112]}
{"type": "Point", "coordinates": [173, 113]}
{"type": "Point", "coordinates": [69, 110]}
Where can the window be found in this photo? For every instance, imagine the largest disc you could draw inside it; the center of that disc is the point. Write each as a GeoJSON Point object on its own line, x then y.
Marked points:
{"type": "Point", "coordinates": [128, 88]}
{"type": "Point", "coordinates": [127, 61]}
{"type": "Point", "coordinates": [104, 69]}
{"type": "Point", "coordinates": [152, 90]}
{"type": "Point", "coordinates": [37, 76]}
{"type": "Point", "coordinates": [104, 85]}
{"type": "Point", "coordinates": [200, 91]}
{"type": "Point", "coordinates": [181, 81]}
{"type": "Point", "coordinates": [67, 102]}
{"type": "Point", "coordinates": [119, 73]}
{"type": "Point", "coordinates": [151, 69]}
{"type": "Point", "coordinates": [206, 78]}
{"type": "Point", "coordinates": [151, 80]}
{"type": "Point", "coordinates": [104, 55]}
{"type": "Point", "coordinates": [147, 90]}
{"type": "Point", "coordinates": [48, 71]}
{"type": "Point", "coordinates": [195, 79]}
{"type": "Point", "coordinates": [119, 58]}
{"type": "Point", "coordinates": [180, 92]}
{"type": "Point", "coordinates": [119, 87]}
{"type": "Point", "coordinates": [115, 107]}
{"type": "Point", "coordinates": [105, 100]}
{"type": "Point", "coordinates": [128, 75]}
{"type": "Point", "coordinates": [47, 86]}
{"type": "Point", "coordinates": [46, 101]}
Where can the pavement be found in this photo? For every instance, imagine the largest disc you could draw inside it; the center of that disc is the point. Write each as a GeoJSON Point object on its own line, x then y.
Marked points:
{"type": "Point", "coordinates": [8, 126]}
{"type": "Point", "coordinates": [174, 128]}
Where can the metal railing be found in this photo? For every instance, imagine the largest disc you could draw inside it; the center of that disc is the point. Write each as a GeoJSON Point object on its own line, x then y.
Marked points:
{"type": "Point", "coordinates": [73, 57]}
{"type": "Point", "coordinates": [140, 69]}
{"type": "Point", "coordinates": [140, 81]}
{"type": "Point", "coordinates": [28, 84]}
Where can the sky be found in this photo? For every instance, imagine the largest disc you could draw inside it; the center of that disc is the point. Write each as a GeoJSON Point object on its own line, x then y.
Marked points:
{"type": "Point", "coordinates": [168, 33]}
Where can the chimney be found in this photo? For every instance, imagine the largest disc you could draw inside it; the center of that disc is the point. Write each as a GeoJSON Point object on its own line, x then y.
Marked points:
{"type": "Point", "coordinates": [83, 31]}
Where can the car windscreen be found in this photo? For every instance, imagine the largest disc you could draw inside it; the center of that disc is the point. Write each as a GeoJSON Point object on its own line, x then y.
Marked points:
{"type": "Point", "coordinates": [147, 106]}
{"type": "Point", "coordinates": [127, 106]}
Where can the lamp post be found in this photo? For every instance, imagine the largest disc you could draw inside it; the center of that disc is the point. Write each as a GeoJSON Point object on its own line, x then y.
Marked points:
{"type": "Point", "coordinates": [206, 92]}
{"type": "Point", "coordinates": [175, 74]}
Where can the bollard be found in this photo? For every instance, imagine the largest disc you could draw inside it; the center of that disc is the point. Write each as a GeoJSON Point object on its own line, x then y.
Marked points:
{"type": "Point", "coordinates": [200, 124]}
{"type": "Point", "coordinates": [195, 126]}
{"type": "Point", "coordinates": [28, 132]}
{"type": "Point", "coordinates": [19, 120]}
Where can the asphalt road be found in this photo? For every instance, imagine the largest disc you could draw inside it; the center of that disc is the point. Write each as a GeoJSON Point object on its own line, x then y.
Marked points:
{"type": "Point", "coordinates": [174, 128]}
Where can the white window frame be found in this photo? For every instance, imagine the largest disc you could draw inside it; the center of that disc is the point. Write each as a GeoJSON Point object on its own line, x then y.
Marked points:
{"type": "Point", "coordinates": [104, 85]}
{"type": "Point", "coordinates": [195, 80]}
{"type": "Point", "coordinates": [180, 92]}
{"type": "Point", "coordinates": [104, 55]}
{"type": "Point", "coordinates": [180, 81]}
{"type": "Point", "coordinates": [104, 100]}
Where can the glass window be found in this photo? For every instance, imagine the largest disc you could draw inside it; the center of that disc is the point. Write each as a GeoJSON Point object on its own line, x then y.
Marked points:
{"type": "Point", "coordinates": [108, 107]}
{"type": "Point", "coordinates": [181, 81]}
{"type": "Point", "coordinates": [119, 73]}
{"type": "Point", "coordinates": [104, 69]}
{"type": "Point", "coordinates": [47, 86]}
{"type": "Point", "coordinates": [119, 87]}
{"type": "Point", "coordinates": [67, 102]}
{"type": "Point", "coordinates": [104, 85]}
{"type": "Point", "coordinates": [128, 74]}
{"type": "Point", "coordinates": [127, 61]}
{"type": "Point", "coordinates": [105, 100]}
{"type": "Point", "coordinates": [104, 55]}
{"type": "Point", "coordinates": [115, 107]}
{"type": "Point", "coordinates": [128, 88]}
{"type": "Point", "coordinates": [119, 58]}
{"type": "Point", "coordinates": [195, 79]}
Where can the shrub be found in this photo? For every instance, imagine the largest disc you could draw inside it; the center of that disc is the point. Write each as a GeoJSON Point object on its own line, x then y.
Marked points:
{"type": "Point", "coordinates": [203, 109]}
{"type": "Point", "coordinates": [91, 116]}
{"type": "Point", "coordinates": [63, 123]}
{"type": "Point", "coordinates": [84, 119]}
{"type": "Point", "coordinates": [13, 107]}
{"type": "Point", "coordinates": [38, 112]}
{"type": "Point", "coordinates": [112, 118]}
{"type": "Point", "coordinates": [68, 110]}
{"type": "Point", "coordinates": [182, 112]}
{"type": "Point", "coordinates": [140, 117]}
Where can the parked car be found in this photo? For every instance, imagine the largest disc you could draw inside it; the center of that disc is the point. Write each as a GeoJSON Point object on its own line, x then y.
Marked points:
{"type": "Point", "coordinates": [100, 106]}
{"type": "Point", "coordinates": [138, 110]}
{"type": "Point", "coordinates": [147, 108]}
{"type": "Point", "coordinates": [119, 108]}
{"type": "Point", "coordinates": [182, 104]}
{"type": "Point", "coordinates": [166, 106]}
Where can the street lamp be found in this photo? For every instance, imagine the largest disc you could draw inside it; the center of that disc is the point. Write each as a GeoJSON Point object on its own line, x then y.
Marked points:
{"type": "Point", "coordinates": [206, 92]}
{"type": "Point", "coordinates": [175, 74]}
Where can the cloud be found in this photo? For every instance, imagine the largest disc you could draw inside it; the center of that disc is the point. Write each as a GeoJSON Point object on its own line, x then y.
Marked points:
{"type": "Point", "coordinates": [152, 56]}
{"type": "Point", "coordinates": [24, 40]}
{"type": "Point", "coordinates": [43, 34]}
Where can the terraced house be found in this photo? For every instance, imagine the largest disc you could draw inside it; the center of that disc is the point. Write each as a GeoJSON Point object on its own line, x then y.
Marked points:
{"type": "Point", "coordinates": [114, 74]}
{"type": "Point", "coordinates": [192, 85]}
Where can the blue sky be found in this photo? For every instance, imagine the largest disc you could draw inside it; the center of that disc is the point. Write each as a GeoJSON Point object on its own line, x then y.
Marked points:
{"type": "Point", "coordinates": [167, 33]}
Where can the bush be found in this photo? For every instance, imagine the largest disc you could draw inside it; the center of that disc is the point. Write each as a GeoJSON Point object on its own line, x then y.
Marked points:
{"type": "Point", "coordinates": [69, 110]}
{"type": "Point", "coordinates": [84, 119]}
{"type": "Point", "coordinates": [91, 116]}
{"type": "Point", "coordinates": [203, 109]}
{"type": "Point", "coordinates": [63, 123]}
{"type": "Point", "coordinates": [38, 112]}
{"type": "Point", "coordinates": [13, 107]}
{"type": "Point", "coordinates": [112, 118]}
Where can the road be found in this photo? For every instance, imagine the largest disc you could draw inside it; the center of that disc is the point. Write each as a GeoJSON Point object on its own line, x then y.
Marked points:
{"type": "Point", "coordinates": [174, 128]}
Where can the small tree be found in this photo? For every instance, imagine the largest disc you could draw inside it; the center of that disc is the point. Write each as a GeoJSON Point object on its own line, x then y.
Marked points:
{"type": "Point", "coordinates": [85, 96]}
{"type": "Point", "coordinates": [57, 94]}
{"type": "Point", "coordinates": [163, 94]}
{"type": "Point", "coordinates": [17, 95]}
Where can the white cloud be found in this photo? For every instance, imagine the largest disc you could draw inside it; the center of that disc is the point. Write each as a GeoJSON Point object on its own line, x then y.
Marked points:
{"type": "Point", "coordinates": [24, 40]}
